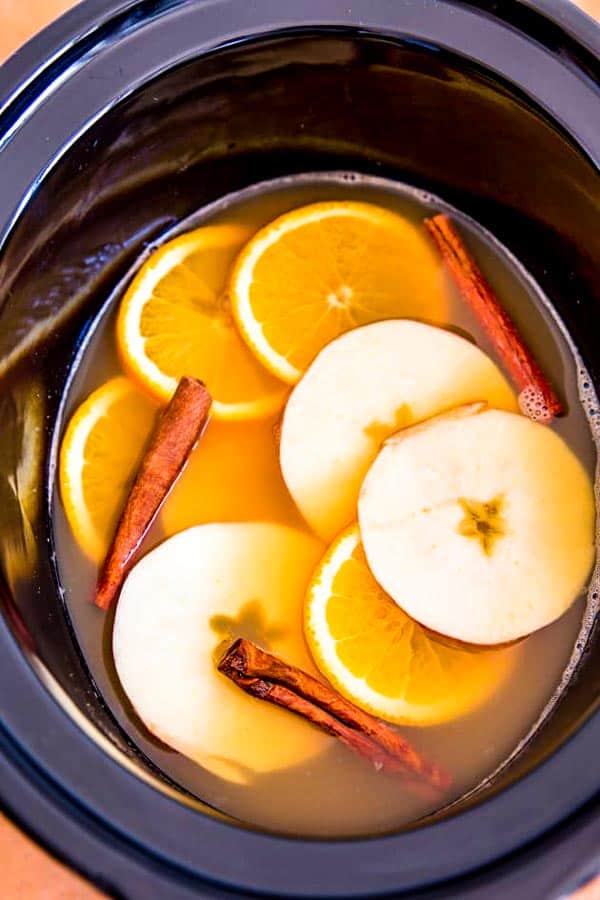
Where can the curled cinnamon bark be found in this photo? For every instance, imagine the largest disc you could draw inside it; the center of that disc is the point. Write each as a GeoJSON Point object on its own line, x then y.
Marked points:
{"type": "Point", "coordinates": [537, 398]}
{"type": "Point", "coordinates": [178, 429]}
{"type": "Point", "coordinates": [265, 676]}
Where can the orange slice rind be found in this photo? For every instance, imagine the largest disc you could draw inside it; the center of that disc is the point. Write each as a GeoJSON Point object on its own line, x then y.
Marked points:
{"type": "Point", "coordinates": [323, 269]}
{"type": "Point", "coordinates": [175, 320]}
{"type": "Point", "coordinates": [381, 659]}
{"type": "Point", "coordinates": [100, 452]}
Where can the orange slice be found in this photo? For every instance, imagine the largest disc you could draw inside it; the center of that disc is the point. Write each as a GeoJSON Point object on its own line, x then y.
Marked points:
{"type": "Point", "coordinates": [323, 269]}
{"type": "Point", "coordinates": [381, 659]}
{"type": "Point", "coordinates": [100, 453]}
{"type": "Point", "coordinates": [175, 320]}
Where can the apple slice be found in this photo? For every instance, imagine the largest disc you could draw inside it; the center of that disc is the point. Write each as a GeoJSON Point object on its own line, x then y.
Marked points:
{"type": "Point", "coordinates": [179, 605]}
{"type": "Point", "coordinates": [363, 387]}
{"type": "Point", "coordinates": [481, 527]}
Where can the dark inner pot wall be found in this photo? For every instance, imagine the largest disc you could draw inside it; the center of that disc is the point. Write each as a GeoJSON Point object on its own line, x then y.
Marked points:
{"type": "Point", "coordinates": [297, 102]}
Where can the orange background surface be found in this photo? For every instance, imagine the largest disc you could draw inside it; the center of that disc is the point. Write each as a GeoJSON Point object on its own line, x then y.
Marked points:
{"type": "Point", "coordinates": [26, 872]}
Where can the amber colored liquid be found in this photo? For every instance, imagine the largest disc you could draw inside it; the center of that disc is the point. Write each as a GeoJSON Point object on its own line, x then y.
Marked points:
{"type": "Point", "coordinates": [234, 475]}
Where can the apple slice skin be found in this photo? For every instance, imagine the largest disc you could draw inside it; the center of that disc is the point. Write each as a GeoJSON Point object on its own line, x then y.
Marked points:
{"type": "Point", "coordinates": [359, 390]}
{"type": "Point", "coordinates": [181, 602]}
{"type": "Point", "coordinates": [418, 510]}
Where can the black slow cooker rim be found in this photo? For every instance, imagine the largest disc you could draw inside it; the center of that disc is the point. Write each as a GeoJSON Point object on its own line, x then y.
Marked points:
{"type": "Point", "coordinates": [89, 18]}
{"type": "Point", "coordinates": [67, 769]}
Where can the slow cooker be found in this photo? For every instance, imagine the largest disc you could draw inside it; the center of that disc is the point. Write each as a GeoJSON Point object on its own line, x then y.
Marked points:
{"type": "Point", "coordinates": [116, 122]}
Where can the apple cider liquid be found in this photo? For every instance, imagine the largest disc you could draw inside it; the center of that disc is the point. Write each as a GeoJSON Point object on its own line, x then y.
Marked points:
{"type": "Point", "coordinates": [234, 475]}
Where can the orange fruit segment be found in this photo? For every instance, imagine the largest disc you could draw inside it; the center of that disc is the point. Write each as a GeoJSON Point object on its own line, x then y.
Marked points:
{"type": "Point", "coordinates": [325, 268]}
{"type": "Point", "coordinates": [381, 659]}
{"type": "Point", "coordinates": [100, 453]}
{"type": "Point", "coordinates": [175, 320]}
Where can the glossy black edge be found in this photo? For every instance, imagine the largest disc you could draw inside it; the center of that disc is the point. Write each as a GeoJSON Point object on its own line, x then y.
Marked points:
{"type": "Point", "coordinates": [84, 843]}
{"type": "Point", "coordinates": [568, 17]}
{"type": "Point", "coordinates": [91, 18]}
{"type": "Point", "coordinates": [69, 761]}
{"type": "Point", "coordinates": [70, 827]}
{"type": "Point", "coordinates": [92, 22]}
{"type": "Point", "coordinates": [117, 867]}
{"type": "Point", "coordinates": [549, 79]}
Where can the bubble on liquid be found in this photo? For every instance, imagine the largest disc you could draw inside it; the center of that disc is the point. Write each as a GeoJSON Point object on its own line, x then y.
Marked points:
{"type": "Point", "coordinates": [533, 405]}
{"type": "Point", "coordinates": [589, 402]}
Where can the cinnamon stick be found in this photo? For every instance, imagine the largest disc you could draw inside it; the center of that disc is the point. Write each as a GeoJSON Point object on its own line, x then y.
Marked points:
{"type": "Point", "coordinates": [537, 398]}
{"type": "Point", "coordinates": [265, 676]}
{"type": "Point", "coordinates": [178, 429]}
